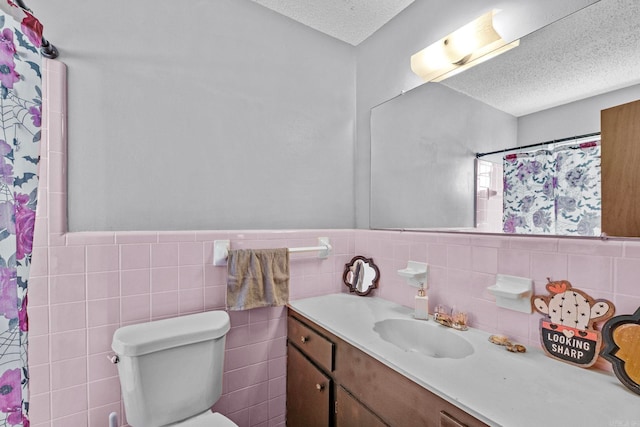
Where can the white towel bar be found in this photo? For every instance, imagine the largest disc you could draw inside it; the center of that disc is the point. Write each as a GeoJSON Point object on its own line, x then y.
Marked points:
{"type": "Point", "coordinates": [221, 250]}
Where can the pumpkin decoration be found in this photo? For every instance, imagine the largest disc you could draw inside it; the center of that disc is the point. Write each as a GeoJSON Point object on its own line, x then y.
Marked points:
{"type": "Point", "coordinates": [621, 336]}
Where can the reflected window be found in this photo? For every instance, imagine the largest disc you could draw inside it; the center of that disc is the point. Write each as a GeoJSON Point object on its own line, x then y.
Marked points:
{"type": "Point", "coordinates": [489, 196]}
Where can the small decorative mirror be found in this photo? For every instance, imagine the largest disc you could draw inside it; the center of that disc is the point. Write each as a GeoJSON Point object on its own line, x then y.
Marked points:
{"type": "Point", "coordinates": [361, 275]}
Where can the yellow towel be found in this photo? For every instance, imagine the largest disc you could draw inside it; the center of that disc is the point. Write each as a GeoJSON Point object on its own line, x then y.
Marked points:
{"type": "Point", "coordinates": [257, 278]}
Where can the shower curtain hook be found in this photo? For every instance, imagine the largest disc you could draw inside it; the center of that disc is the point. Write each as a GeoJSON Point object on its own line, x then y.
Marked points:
{"type": "Point", "coordinates": [46, 49]}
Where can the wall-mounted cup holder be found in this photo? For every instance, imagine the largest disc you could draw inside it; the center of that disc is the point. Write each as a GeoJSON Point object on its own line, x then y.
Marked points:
{"type": "Point", "coordinates": [415, 273]}
{"type": "Point", "coordinates": [512, 292]}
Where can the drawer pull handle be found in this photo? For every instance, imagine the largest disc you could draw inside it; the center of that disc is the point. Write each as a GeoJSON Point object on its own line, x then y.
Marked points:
{"type": "Point", "coordinates": [320, 387]}
{"type": "Point", "coordinates": [304, 339]}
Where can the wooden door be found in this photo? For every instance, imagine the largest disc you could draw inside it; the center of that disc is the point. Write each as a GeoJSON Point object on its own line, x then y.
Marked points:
{"type": "Point", "coordinates": [308, 392]}
{"type": "Point", "coordinates": [351, 413]}
{"type": "Point", "coordinates": [620, 131]}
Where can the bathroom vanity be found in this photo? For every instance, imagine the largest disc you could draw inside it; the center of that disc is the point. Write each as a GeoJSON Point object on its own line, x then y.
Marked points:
{"type": "Point", "coordinates": [327, 377]}
{"type": "Point", "coordinates": [351, 363]}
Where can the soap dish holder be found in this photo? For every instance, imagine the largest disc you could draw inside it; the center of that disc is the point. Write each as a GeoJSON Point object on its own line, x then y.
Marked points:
{"type": "Point", "coordinates": [512, 292]}
{"type": "Point", "coordinates": [415, 273]}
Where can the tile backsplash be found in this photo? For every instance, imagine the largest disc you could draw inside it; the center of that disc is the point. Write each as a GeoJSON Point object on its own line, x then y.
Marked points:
{"type": "Point", "coordinates": [92, 289]}
{"type": "Point", "coordinates": [462, 266]}
{"type": "Point", "coordinates": [86, 285]}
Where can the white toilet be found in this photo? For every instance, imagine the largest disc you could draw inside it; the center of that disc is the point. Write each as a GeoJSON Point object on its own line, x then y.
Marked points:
{"type": "Point", "coordinates": [171, 370]}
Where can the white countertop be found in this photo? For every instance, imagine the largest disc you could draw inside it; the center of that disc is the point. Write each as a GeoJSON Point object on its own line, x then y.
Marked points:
{"type": "Point", "coordinates": [497, 387]}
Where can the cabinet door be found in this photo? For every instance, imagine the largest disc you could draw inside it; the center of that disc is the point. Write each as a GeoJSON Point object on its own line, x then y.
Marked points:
{"type": "Point", "coordinates": [351, 413]}
{"type": "Point", "coordinates": [620, 172]}
{"type": "Point", "coordinates": [308, 392]}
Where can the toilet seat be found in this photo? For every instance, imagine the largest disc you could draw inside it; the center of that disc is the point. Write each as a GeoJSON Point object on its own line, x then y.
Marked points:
{"type": "Point", "coordinates": [206, 419]}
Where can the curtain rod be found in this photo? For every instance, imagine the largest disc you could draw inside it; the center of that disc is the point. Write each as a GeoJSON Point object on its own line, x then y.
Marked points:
{"type": "Point", "coordinates": [46, 49]}
{"type": "Point", "coordinates": [571, 138]}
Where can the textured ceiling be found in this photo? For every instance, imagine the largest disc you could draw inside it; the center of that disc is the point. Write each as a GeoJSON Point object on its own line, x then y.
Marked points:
{"type": "Point", "coordinates": [593, 51]}
{"type": "Point", "coordinates": [351, 21]}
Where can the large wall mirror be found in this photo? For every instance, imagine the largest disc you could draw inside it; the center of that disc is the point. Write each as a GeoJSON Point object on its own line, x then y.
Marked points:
{"type": "Point", "coordinates": [424, 171]}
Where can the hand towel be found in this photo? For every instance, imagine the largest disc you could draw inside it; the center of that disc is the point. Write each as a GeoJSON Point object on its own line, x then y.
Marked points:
{"type": "Point", "coordinates": [257, 278]}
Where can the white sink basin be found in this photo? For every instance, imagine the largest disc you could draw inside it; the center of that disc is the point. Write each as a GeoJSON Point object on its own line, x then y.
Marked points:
{"type": "Point", "coordinates": [424, 337]}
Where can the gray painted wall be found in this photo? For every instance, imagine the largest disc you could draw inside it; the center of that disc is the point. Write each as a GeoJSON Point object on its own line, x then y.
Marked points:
{"type": "Point", "coordinates": [203, 115]}
{"type": "Point", "coordinates": [576, 118]}
{"type": "Point", "coordinates": [423, 147]}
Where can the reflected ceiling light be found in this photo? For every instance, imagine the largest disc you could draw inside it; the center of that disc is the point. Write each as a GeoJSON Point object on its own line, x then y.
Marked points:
{"type": "Point", "coordinates": [470, 45]}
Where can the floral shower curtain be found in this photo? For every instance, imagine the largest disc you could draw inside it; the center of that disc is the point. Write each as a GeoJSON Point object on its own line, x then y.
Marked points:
{"type": "Point", "coordinates": [553, 191]}
{"type": "Point", "coordinates": [20, 119]}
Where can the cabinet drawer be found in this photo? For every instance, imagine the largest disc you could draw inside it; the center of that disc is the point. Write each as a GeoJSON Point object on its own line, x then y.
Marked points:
{"type": "Point", "coordinates": [314, 345]}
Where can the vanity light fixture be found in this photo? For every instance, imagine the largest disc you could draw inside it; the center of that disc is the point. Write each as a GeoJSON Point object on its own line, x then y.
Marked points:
{"type": "Point", "coordinates": [469, 45]}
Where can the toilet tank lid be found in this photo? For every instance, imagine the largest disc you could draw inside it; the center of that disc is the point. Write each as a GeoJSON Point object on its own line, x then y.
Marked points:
{"type": "Point", "coordinates": [144, 338]}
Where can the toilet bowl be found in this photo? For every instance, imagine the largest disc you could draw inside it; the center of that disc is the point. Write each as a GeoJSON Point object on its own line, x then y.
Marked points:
{"type": "Point", "coordinates": [171, 370]}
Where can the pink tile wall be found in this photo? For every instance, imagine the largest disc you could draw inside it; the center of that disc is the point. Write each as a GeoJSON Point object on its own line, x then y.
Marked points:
{"type": "Point", "coordinates": [462, 266]}
{"type": "Point", "coordinates": [96, 288]}
{"type": "Point", "coordinates": [86, 285]}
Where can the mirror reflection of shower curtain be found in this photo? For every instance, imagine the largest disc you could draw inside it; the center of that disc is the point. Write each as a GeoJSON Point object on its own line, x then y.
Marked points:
{"type": "Point", "coordinates": [553, 191]}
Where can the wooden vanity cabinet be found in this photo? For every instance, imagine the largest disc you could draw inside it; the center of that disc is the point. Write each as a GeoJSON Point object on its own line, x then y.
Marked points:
{"type": "Point", "coordinates": [309, 387]}
{"type": "Point", "coordinates": [361, 391]}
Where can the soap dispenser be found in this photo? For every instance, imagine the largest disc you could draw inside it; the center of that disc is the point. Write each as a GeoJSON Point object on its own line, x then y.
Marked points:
{"type": "Point", "coordinates": [416, 276]}
{"type": "Point", "coordinates": [422, 304]}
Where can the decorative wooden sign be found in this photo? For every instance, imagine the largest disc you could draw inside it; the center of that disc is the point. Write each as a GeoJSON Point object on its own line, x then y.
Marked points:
{"type": "Point", "coordinates": [621, 335]}
{"type": "Point", "coordinates": [568, 332]}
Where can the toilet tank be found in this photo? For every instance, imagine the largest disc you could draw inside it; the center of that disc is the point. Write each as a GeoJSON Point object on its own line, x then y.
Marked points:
{"type": "Point", "coordinates": [171, 369]}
